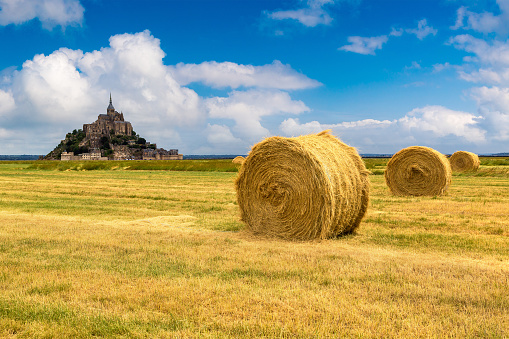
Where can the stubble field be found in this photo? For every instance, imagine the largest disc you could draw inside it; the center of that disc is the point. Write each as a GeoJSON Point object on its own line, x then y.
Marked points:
{"type": "Point", "coordinates": [114, 252]}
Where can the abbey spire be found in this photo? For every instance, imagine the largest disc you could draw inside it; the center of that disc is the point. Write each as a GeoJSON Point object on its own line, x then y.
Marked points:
{"type": "Point", "coordinates": [110, 110]}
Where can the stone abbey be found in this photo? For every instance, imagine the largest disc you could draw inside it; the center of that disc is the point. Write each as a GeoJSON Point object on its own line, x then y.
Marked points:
{"type": "Point", "coordinates": [110, 123]}
{"type": "Point", "coordinates": [110, 137]}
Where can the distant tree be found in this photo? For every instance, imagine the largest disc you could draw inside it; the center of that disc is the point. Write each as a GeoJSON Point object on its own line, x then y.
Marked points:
{"type": "Point", "coordinates": [142, 141]}
{"type": "Point", "coordinates": [104, 143]}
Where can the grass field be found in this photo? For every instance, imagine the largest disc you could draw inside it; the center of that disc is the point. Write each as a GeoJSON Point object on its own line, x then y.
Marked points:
{"type": "Point", "coordinates": [120, 251]}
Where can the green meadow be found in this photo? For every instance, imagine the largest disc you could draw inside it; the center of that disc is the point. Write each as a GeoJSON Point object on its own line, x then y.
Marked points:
{"type": "Point", "coordinates": [155, 249]}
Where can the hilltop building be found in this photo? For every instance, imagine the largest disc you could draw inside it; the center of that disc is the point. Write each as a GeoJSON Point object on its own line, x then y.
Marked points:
{"type": "Point", "coordinates": [110, 123]}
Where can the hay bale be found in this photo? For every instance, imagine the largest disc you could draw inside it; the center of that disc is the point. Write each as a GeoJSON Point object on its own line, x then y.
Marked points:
{"type": "Point", "coordinates": [308, 187]}
{"type": "Point", "coordinates": [417, 171]}
{"type": "Point", "coordinates": [462, 161]}
{"type": "Point", "coordinates": [238, 160]}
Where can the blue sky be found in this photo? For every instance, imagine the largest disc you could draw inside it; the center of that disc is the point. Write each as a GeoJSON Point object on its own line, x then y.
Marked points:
{"type": "Point", "coordinates": [216, 77]}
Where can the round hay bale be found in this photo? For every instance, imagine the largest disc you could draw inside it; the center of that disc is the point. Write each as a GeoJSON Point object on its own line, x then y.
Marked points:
{"type": "Point", "coordinates": [418, 171]}
{"type": "Point", "coordinates": [238, 160]}
{"type": "Point", "coordinates": [308, 187]}
{"type": "Point", "coordinates": [462, 161]}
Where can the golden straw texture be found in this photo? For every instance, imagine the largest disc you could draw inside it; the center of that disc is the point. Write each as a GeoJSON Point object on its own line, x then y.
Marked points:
{"type": "Point", "coordinates": [238, 160]}
{"type": "Point", "coordinates": [462, 161]}
{"type": "Point", "coordinates": [418, 170]}
{"type": "Point", "coordinates": [308, 187]}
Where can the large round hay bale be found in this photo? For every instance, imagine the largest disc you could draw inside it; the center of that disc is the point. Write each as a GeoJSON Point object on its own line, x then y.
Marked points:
{"type": "Point", "coordinates": [308, 187]}
{"type": "Point", "coordinates": [238, 160]}
{"type": "Point", "coordinates": [417, 171]}
{"type": "Point", "coordinates": [462, 161]}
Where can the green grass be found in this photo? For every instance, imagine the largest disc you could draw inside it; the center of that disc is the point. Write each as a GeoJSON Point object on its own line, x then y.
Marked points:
{"type": "Point", "coordinates": [223, 165]}
{"type": "Point", "coordinates": [498, 161]}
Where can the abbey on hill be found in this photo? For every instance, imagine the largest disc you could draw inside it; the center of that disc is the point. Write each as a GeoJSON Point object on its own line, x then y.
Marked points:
{"type": "Point", "coordinates": [110, 137]}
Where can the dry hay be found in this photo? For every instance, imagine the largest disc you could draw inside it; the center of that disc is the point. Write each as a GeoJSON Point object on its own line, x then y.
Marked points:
{"type": "Point", "coordinates": [417, 171]}
{"type": "Point", "coordinates": [238, 160]}
{"type": "Point", "coordinates": [308, 187]}
{"type": "Point", "coordinates": [462, 161]}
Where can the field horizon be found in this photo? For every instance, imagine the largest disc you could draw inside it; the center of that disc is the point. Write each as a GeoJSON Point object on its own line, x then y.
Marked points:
{"type": "Point", "coordinates": [155, 250]}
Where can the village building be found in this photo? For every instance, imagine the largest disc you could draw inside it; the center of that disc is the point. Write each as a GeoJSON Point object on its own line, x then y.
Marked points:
{"type": "Point", "coordinates": [161, 154]}
{"type": "Point", "coordinates": [67, 156]}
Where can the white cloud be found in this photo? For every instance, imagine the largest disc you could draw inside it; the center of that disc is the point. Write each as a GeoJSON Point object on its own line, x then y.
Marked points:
{"type": "Point", "coordinates": [312, 15]}
{"type": "Point", "coordinates": [65, 86]}
{"type": "Point", "coordinates": [430, 125]}
{"type": "Point", "coordinates": [229, 74]}
{"type": "Point", "coordinates": [443, 121]}
{"type": "Point", "coordinates": [422, 30]}
{"type": "Point", "coordinates": [485, 22]}
{"type": "Point", "coordinates": [368, 45]}
{"type": "Point", "coordinates": [220, 135]}
{"type": "Point", "coordinates": [52, 86]}
{"type": "Point", "coordinates": [364, 45]}
{"type": "Point", "coordinates": [51, 13]}
{"type": "Point", "coordinates": [6, 102]}
{"type": "Point", "coordinates": [495, 53]}
{"type": "Point", "coordinates": [493, 104]}
{"type": "Point", "coordinates": [441, 67]}
{"type": "Point", "coordinates": [248, 108]}
{"type": "Point", "coordinates": [309, 17]}
{"type": "Point", "coordinates": [489, 63]}
{"type": "Point", "coordinates": [396, 32]}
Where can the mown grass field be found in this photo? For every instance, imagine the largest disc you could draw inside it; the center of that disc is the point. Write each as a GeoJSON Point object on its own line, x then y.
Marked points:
{"type": "Point", "coordinates": [118, 251]}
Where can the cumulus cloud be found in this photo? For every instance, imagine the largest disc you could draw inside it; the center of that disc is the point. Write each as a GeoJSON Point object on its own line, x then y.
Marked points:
{"type": "Point", "coordinates": [311, 15]}
{"type": "Point", "coordinates": [229, 74]}
{"type": "Point", "coordinates": [429, 125]}
{"type": "Point", "coordinates": [489, 62]}
{"type": "Point", "coordinates": [6, 102]}
{"type": "Point", "coordinates": [422, 30]}
{"type": "Point", "coordinates": [442, 121]}
{"type": "Point", "coordinates": [50, 13]}
{"type": "Point", "coordinates": [495, 53]}
{"type": "Point", "coordinates": [221, 136]}
{"type": "Point", "coordinates": [485, 22]}
{"type": "Point", "coordinates": [65, 85]}
{"type": "Point", "coordinates": [366, 46]}
{"type": "Point", "coordinates": [249, 107]}
{"type": "Point", "coordinates": [493, 104]}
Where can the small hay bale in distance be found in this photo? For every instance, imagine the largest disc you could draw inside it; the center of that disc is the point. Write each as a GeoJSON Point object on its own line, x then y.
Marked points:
{"type": "Point", "coordinates": [303, 188]}
{"type": "Point", "coordinates": [418, 171]}
{"type": "Point", "coordinates": [462, 161]}
{"type": "Point", "coordinates": [238, 160]}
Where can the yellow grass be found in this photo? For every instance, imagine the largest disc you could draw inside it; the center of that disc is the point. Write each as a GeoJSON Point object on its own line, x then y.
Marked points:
{"type": "Point", "coordinates": [162, 254]}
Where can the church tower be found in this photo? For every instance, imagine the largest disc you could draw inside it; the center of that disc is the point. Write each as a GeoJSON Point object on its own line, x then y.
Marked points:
{"type": "Point", "coordinates": [110, 110]}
